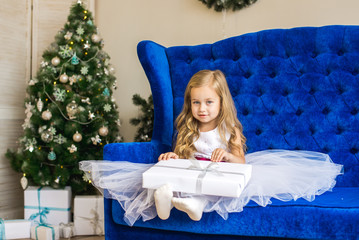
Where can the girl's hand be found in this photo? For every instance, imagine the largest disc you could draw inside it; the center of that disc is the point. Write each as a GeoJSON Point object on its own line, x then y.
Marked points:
{"type": "Point", "coordinates": [167, 156]}
{"type": "Point", "coordinates": [219, 155]}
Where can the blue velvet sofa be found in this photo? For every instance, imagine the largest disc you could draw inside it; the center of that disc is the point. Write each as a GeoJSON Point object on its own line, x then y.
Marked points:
{"type": "Point", "coordinates": [294, 89]}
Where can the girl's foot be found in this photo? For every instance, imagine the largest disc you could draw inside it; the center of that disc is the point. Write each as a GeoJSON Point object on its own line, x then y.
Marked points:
{"type": "Point", "coordinates": [163, 196]}
{"type": "Point", "coordinates": [192, 206]}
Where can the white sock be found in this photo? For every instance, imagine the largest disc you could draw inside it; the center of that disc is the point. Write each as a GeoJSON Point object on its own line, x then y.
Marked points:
{"type": "Point", "coordinates": [193, 206]}
{"type": "Point", "coordinates": [163, 196]}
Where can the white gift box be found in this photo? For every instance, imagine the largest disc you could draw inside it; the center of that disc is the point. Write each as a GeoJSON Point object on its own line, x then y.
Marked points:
{"type": "Point", "coordinates": [200, 177]}
{"type": "Point", "coordinates": [89, 215]}
{"type": "Point", "coordinates": [50, 232]}
{"type": "Point", "coordinates": [16, 229]}
{"type": "Point", "coordinates": [67, 230]}
{"type": "Point", "coordinates": [56, 201]}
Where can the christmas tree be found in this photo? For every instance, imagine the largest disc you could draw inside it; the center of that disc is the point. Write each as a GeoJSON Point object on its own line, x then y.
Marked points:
{"type": "Point", "coordinates": [70, 112]}
{"type": "Point", "coordinates": [144, 120]}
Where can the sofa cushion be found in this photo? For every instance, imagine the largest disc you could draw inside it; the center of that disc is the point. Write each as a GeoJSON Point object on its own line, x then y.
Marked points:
{"type": "Point", "coordinates": [331, 215]}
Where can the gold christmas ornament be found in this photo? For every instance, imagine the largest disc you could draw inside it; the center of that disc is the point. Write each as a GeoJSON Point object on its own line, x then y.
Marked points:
{"type": "Point", "coordinates": [46, 115]}
{"type": "Point", "coordinates": [77, 137]}
{"type": "Point", "coordinates": [64, 78]}
{"type": "Point", "coordinates": [103, 131]}
{"type": "Point", "coordinates": [55, 61]}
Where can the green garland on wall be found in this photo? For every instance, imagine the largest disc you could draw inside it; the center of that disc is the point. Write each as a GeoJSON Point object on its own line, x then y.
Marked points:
{"type": "Point", "coordinates": [220, 5]}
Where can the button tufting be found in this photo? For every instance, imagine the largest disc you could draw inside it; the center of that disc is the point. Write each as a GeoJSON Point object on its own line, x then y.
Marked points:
{"type": "Point", "coordinates": [340, 53]}
{"type": "Point", "coordinates": [245, 112]}
{"type": "Point", "coordinates": [298, 112]}
{"type": "Point", "coordinates": [354, 111]}
{"type": "Point", "coordinates": [285, 93]}
{"type": "Point", "coordinates": [312, 130]}
{"type": "Point", "coordinates": [314, 55]}
{"type": "Point", "coordinates": [326, 150]}
{"type": "Point", "coordinates": [271, 112]}
{"type": "Point", "coordinates": [312, 91]}
{"type": "Point", "coordinates": [272, 75]}
{"type": "Point", "coordinates": [188, 61]}
{"type": "Point", "coordinates": [236, 58]}
{"type": "Point", "coordinates": [341, 90]}
{"type": "Point", "coordinates": [258, 132]}
{"type": "Point", "coordinates": [339, 130]}
{"type": "Point", "coordinates": [353, 150]}
{"type": "Point", "coordinates": [259, 57]}
{"type": "Point", "coordinates": [284, 131]}
{"type": "Point", "coordinates": [247, 75]}
{"type": "Point", "coordinates": [325, 110]}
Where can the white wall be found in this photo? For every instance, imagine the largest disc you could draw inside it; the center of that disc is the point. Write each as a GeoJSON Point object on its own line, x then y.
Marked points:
{"type": "Point", "coordinates": [123, 24]}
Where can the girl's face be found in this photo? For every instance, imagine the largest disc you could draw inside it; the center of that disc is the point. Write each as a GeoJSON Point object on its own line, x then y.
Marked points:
{"type": "Point", "coordinates": [205, 106]}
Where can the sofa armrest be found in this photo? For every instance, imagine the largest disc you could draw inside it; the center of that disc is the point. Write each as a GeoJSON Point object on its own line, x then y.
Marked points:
{"type": "Point", "coordinates": [139, 152]}
{"type": "Point", "coordinates": [155, 63]}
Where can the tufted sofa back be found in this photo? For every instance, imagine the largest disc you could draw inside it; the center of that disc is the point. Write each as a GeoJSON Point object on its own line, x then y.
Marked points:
{"type": "Point", "coordinates": [294, 89]}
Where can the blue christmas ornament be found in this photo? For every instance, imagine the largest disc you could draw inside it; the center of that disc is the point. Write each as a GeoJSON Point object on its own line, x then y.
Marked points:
{"type": "Point", "coordinates": [51, 156]}
{"type": "Point", "coordinates": [106, 92]}
{"type": "Point", "coordinates": [89, 22]}
{"type": "Point", "coordinates": [75, 60]}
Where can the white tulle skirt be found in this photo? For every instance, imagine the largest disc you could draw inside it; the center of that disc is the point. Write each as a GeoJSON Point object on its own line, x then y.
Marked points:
{"type": "Point", "coordinates": [280, 174]}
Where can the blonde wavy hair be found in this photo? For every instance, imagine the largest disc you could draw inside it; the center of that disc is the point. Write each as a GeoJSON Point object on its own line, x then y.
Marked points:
{"type": "Point", "coordinates": [187, 125]}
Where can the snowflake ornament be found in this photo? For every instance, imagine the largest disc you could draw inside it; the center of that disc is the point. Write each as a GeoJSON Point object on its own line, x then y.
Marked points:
{"type": "Point", "coordinates": [84, 70]}
{"type": "Point", "coordinates": [30, 144]}
{"type": "Point", "coordinates": [107, 107]}
{"type": "Point", "coordinates": [60, 139]}
{"type": "Point", "coordinates": [60, 94]}
{"type": "Point", "coordinates": [65, 51]}
{"type": "Point", "coordinates": [80, 30]}
{"type": "Point", "coordinates": [52, 130]}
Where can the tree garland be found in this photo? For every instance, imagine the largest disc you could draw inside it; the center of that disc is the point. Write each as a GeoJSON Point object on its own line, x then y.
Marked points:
{"type": "Point", "coordinates": [220, 5]}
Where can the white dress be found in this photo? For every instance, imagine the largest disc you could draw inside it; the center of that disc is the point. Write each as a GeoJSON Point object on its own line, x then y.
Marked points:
{"type": "Point", "coordinates": [281, 174]}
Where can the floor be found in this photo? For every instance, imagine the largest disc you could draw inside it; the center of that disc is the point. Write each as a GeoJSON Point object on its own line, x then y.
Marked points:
{"type": "Point", "coordinates": [86, 238]}
{"type": "Point", "coordinates": [81, 238]}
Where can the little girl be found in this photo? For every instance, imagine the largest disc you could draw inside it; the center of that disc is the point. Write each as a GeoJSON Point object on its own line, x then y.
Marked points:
{"type": "Point", "coordinates": [208, 129]}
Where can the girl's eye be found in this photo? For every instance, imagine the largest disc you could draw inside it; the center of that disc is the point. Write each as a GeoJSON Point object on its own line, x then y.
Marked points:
{"type": "Point", "coordinates": [209, 102]}
{"type": "Point", "coordinates": [195, 102]}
